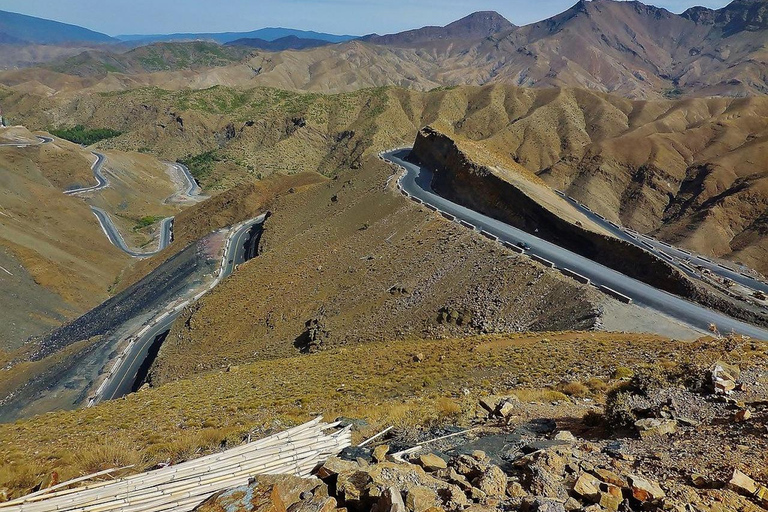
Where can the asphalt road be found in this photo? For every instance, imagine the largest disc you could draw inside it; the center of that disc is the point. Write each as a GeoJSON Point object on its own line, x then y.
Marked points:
{"type": "Point", "coordinates": [123, 377]}
{"type": "Point", "coordinates": [192, 189]}
{"type": "Point", "coordinates": [43, 140]}
{"type": "Point", "coordinates": [109, 228]}
{"type": "Point", "coordinates": [101, 181]}
{"type": "Point", "coordinates": [658, 248]}
{"type": "Point", "coordinates": [417, 183]}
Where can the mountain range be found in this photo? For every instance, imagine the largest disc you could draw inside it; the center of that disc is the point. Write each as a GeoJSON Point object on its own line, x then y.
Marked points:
{"type": "Point", "coordinates": [629, 48]}
{"type": "Point", "coordinates": [267, 34]}
{"type": "Point", "coordinates": [281, 44]}
{"type": "Point", "coordinates": [21, 29]}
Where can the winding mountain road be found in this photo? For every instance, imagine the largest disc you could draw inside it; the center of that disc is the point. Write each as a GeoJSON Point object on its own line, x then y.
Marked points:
{"type": "Point", "coordinates": [193, 189]}
{"type": "Point", "coordinates": [417, 182]}
{"type": "Point", "coordinates": [43, 140]}
{"type": "Point", "coordinates": [101, 181]}
{"type": "Point", "coordinates": [657, 247]}
{"type": "Point", "coordinates": [108, 226]}
{"type": "Point", "coordinates": [122, 377]}
{"type": "Point", "coordinates": [114, 236]}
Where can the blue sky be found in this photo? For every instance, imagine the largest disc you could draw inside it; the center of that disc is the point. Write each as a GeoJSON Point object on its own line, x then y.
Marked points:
{"type": "Point", "coordinates": [355, 17]}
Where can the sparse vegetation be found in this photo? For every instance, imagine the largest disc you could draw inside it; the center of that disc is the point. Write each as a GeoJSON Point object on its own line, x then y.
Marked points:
{"type": "Point", "coordinates": [146, 221]}
{"type": "Point", "coordinates": [201, 165]}
{"type": "Point", "coordinates": [673, 94]}
{"type": "Point", "coordinates": [180, 420]}
{"type": "Point", "coordinates": [574, 388]}
{"type": "Point", "coordinates": [79, 134]}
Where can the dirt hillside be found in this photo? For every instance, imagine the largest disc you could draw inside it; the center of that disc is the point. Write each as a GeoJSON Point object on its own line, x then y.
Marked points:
{"type": "Point", "coordinates": [60, 262]}
{"type": "Point", "coordinates": [352, 262]}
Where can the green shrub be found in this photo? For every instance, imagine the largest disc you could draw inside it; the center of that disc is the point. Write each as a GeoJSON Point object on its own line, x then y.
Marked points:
{"type": "Point", "coordinates": [649, 379]}
{"type": "Point", "coordinates": [79, 134]}
{"type": "Point", "coordinates": [201, 165]}
{"type": "Point", "coordinates": [146, 221]}
{"type": "Point", "coordinates": [619, 408]}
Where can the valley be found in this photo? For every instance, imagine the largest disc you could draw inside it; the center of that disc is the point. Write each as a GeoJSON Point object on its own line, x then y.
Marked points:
{"type": "Point", "coordinates": [495, 265]}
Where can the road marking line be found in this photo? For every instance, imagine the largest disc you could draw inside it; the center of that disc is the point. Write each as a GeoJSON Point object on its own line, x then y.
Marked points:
{"type": "Point", "coordinates": [6, 271]}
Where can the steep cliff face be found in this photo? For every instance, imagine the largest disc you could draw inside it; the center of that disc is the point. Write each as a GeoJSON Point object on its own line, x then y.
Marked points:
{"type": "Point", "coordinates": [460, 179]}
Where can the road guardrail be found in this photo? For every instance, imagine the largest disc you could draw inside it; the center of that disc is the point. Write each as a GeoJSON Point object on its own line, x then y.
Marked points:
{"type": "Point", "coordinates": [616, 295]}
{"type": "Point", "coordinates": [513, 247]}
{"type": "Point", "coordinates": [578, 277]}
{"type": "Point", "coordinates": [543, 261]}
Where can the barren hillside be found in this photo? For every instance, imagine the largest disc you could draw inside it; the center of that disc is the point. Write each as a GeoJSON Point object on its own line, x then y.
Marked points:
{"type": "Point", "coordinates": [351, 262]}
{"type": "Point", "coordinates": [690, 171]}
{"type": "Point", "coordinates": [59, 262]}
{"type": "Point", "coordinates": [53, 241]}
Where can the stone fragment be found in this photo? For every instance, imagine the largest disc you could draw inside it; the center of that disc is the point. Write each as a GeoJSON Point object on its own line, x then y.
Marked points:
{"type": "Point", "coordinates": [505, 409]}
{"type": "Point", "coordinates": [724, 377]}
{"type": "Point", "coordinates": [724, 386]}
{"type": "Point", "coordinates": [318, 504]}
{"type": "Point", "coordinates": [431, 462]}
{"type": "Point", "coordinates": [742, 416]}
{"type": "Point", "coordinates": [588, 487]}
{"type": "Point", "coordinates": [467, 466]}
{"type": "Point", "coordinates": [390, 501]}
{"type": "Point", "coordinates": [609, 502]}
{"type": "Point", "coordinates": [742, 484]}
{"type": "Point", "coordinates": [247, 498]}
{"type": "Point", "coordinates": [492, 482]}
{"type": "Point", "coordinates": [459, 479]}
{"type": "Point", "coordinates": [539, 504]}
{"type": "Point", "coordinates": [571, 505]}
{"type": "Point", "coordinates": [610, 477]}
{"type": "Point", "coordinates": [566, 436]}
{"type": "Point", "coordinates": [545, 484]}
{"type": "Point", "coordinates": [699, 480]}
{"type": "Point", "coordinates": [515, 490]}
{"type": "Point", "coordinates": [334, 466]}
{"type": "Point", "coordinates": [479, 455]}
{"type": "Point", "coordinates": [652, 427]}
{"type": "Point", "coordinates": [380, 453]}
{"type": "Point", "coordinates": [644, 489]}
{"type": "Point", "coordinates": [418, 358]}
{"type": "Point", "coordinates": [453, 497]}
{"type": "Point", "coordinates": [488, 403]}
{"type": "Point", "coordinates": [477, 494]}
{"type": "Point", "coordinates": [352, 486]}
{"type": "Point", "coordinates": [420, 499]}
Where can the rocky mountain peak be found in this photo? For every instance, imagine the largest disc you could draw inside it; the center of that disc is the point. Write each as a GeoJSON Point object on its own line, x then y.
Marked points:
{"type": "Point", "coordinates": [482, 24]}
{"type": "Point", "coordinates": [738, 16]}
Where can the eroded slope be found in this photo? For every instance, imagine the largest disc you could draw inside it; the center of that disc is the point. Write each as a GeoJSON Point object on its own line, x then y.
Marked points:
{"type": "Point", "coordinates": [352, 262]}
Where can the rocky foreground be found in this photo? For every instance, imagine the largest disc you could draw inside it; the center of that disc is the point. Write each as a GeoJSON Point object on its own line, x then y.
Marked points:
{"type": "Point", "coordinates": [691, 442]}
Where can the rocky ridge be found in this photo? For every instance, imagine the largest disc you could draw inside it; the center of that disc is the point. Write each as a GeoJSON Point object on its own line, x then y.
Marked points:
{"type": "Point", "coordinates": [505, 462]}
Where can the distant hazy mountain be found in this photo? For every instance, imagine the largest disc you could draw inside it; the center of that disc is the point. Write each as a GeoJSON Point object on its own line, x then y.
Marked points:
{"type": "Point", "coordinates": [150, 58]}
{"type": "Point", "coordinates": [266, 34]}
{"type": "Point", "coordinates": [19, 28]}
{"type": "Point", "coordinates": [625, 47]}
{"type": "Point", "coordinates": [278, 45]}
{"type": "Point", "coordinates": [475, 26]}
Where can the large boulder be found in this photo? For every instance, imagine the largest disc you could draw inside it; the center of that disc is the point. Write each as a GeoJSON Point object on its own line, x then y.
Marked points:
{"type": "Point", "coordinates": [268, 493]}
{"type": "Point", "coordinates": [362, 487]}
